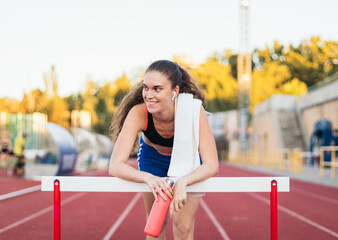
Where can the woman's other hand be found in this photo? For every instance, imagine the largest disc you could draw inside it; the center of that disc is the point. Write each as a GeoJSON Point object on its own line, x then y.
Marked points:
{"type": "Point", "coordinates": [180, 196]}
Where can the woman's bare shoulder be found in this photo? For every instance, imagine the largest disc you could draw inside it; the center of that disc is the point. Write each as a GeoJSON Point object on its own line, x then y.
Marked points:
{"type": "Point", "coordinates": [139, 110]}
{"type": "Point", "coordinates": [137, 115]}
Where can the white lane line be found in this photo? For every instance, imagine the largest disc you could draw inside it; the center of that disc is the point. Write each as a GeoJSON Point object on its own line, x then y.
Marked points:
{"type": "Point", "coordinates": [38, 187]}
{"type": "Point", "coordinates": [314, 195]}
{"type": "Point", "coordinates": [122, 217]}
{"type": "Point", "coordinates": [214, 220]}
{"type": "Point", "coordinates": [296, 215]}
{"type": "Point", "coordinates": [41, 212]}
{"type": "Point", "coordinates": [20, 192]}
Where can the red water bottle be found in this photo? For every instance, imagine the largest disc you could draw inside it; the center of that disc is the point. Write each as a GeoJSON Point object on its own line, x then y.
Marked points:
{"type": "Point", "coordinates": [157, 214]}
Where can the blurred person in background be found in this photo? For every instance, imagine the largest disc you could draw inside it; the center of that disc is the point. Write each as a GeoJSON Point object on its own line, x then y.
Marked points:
{"type": "Point", "coordinates": [5, 147]}
{"type": "Point", "coordinates": [19, 145]}
{"type": "Point", "coordinates": [334, 141]}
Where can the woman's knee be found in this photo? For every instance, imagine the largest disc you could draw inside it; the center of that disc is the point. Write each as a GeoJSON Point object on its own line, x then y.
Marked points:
{"type": "Point", "coordinates": [184, 219]}
{"type": "Point", "coordinates": [183, 228]}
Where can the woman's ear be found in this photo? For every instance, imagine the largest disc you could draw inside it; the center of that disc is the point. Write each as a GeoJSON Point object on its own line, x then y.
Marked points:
{"type": "Point", "coordinates": [175, 92]}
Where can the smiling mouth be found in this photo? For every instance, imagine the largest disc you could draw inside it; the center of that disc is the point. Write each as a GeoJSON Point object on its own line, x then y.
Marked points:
{"type": "Point", "coordinates": [151, 103]}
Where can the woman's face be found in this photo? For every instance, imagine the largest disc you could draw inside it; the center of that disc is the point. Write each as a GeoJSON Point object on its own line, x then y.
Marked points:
{"type": "Point", "coordinates": [157, 91]}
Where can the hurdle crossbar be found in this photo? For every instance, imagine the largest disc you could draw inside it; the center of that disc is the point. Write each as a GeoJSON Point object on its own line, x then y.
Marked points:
{"type": "Point", "coordinates": [216, 184]}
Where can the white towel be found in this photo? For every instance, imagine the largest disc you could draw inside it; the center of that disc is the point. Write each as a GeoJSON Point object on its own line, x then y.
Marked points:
{"type": "Point", "coordinates": [185, 155]}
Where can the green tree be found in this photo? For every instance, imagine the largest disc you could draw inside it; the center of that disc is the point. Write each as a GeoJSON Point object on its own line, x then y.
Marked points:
{"type": "Point", "coordinates": [34, 101]}
{"type": "Point", "coordinates": [10, 105]}
{"type": "Point", "coordinates": [57, 111]}
{"type": "Point", "coordinates": [219, 85]}
{"type": "Point", "coordinates": [102, 126]}
{"type": "Point", "coordinates": [266, 81]}
{"type": "Point", "coordinates": [74, 102]}
{"type": "Point", "coordinates": [310, 62]}
{"type": "Point", "coordinates": [121, 87]}
{"type": "Point", "coordinates": [313, 60]}
{"type": "Point", "coordinates": [90, 100]}
{"type": "Point", "coordinates": [293, 87]}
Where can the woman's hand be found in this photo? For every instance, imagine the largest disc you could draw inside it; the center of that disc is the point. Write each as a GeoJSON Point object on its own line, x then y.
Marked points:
{"type": "Point", "coordinates": [158, 185]}
{"type": "Point", "coordinates": [180, 196]}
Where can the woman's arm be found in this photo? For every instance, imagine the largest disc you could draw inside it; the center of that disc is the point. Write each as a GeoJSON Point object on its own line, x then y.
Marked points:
{"type": "Point", "coordinates": [208, 152]}
{"type": "Point", "coordinates": [118, 167]}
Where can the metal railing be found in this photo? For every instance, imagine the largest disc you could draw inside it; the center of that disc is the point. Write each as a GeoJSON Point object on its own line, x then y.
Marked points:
{"type": "Point", "coordinates": [282, 159]}
{"type": "Point", "coordinates": [285, 159]}
{"type": "Point", "coordinates": [333, 163]}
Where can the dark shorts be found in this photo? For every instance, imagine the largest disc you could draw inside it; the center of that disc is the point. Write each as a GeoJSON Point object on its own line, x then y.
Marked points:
{"type": "Point", "coordinates": [19, 165]}
{"type": "Point", "coordinates": [151, 161]}
{"type": "Point", "coordinates": [5, 150]}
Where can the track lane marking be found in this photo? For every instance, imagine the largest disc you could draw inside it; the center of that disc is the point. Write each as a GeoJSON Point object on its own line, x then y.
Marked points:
{"type": "Point", "coordinates": [20, 192]}
{"type": "Point", "coordinates": [38, 187]}
{"type": "Point", "coordinates": [314, 195]}
{"type": "Point", "coordinates": [118, 222]}
{"type": "Point", "coordinates": [41, 212]}
{"type": "Point", "coordinates": [294, 214]}
{"type": "Point", "coordinates": [214, 220]}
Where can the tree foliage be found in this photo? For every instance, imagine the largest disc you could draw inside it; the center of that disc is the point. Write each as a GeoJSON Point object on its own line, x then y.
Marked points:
{"type": "Point", "coordinates": [90, 100]}
{"type": "Point", "coordinates": [120, 88]}
{"type": "Point", "coordinates": [267, 81]}
{"type": "Point", "coordinates": [219, 86]}
{"type": "Point", "coordinates": [276, 69]}
{"type": "Point", "coordinates": [310, 62]}
{"type": "Point", "coordinates": [57, 111]}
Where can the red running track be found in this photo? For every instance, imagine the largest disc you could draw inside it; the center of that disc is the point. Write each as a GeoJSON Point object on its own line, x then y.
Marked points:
{"type": "Point", "coordinates": [308, 211]}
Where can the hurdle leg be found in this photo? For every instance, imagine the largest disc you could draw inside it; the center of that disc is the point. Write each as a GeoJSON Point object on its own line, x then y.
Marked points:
{"type": "Point", "coordinates": [57, 210]}
{"type": "Point", "coordinates": [273, 205]}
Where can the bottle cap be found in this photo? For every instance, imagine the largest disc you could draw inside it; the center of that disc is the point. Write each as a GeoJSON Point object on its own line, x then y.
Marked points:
{"type": "Point", "coordinates": [170, 182]}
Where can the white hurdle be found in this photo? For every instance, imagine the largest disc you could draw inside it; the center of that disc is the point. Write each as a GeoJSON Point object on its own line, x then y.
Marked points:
{"type": "Point", "coordinates": [60, 184]}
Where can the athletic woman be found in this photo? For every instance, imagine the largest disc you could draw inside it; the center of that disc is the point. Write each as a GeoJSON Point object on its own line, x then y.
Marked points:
{"type": "Point", "coordinates": [149, 108]}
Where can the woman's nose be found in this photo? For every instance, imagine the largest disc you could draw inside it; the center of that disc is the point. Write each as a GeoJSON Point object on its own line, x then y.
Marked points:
{"type": "Point", "coordinates": [149, 94]}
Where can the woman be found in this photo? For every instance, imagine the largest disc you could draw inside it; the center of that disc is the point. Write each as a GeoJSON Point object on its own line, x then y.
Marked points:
{"type": "Point", "coordinates": [5, 146]}
{"type": "Point", "coordinates": [149, 107]}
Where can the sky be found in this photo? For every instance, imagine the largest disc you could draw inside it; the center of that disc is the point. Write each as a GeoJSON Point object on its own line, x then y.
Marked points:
{"type": "Point", "coordinates": [102, 39]}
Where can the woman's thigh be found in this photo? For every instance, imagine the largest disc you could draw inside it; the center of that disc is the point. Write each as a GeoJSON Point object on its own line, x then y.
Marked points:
{"type": "Point", "coordinates": [186, 215]}
{"type": "Point", "coordinates": [148, 199]}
